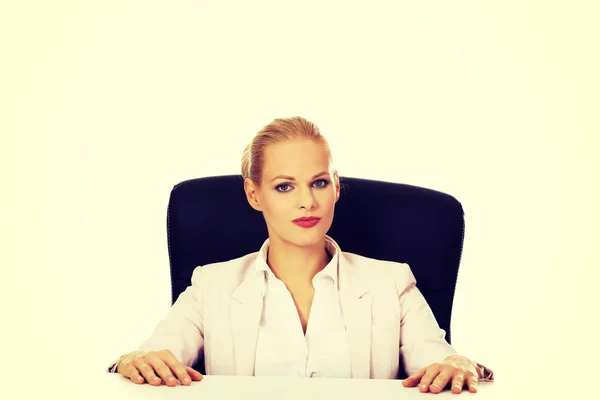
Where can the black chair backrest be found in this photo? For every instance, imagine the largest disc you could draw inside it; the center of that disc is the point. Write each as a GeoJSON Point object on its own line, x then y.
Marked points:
{"type": "Point", "coordinates": [209, 220]}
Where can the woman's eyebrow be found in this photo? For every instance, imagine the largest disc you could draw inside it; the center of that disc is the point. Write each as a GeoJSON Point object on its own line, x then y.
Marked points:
{"type": "Point", "coordinates": [290, 178]}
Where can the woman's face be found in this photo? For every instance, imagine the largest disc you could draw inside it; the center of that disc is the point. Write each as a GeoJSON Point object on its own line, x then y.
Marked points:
{"type": "Point", "coordinates": [297, 182]}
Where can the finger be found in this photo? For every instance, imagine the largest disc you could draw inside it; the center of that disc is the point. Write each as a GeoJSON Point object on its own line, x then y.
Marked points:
{"type": "Point", "coordinates": [134, 375]}
{"type": "Point", "coordinates": [458, 382]}
{"type": "Point", "coordinates": [126, 368]}
{"type": "Point", "coordinates": [177, 368]}
{"type": "Point", "coordinates": [414, 378]}
{"type": "Point", "coordinates": [129, 371]}
{"type": "Point", "coordinates": [147, 371]}
{"type": "Point", "coordinates": [440, 381]}
{"type": "Point", "coordinates": [431, 373]}
{"type": "Point", "coordinates": [162, 369]}
{"type": "Point", "coordinates": [472, 382]}
{"type": "Point", "coordinates": [195, 375]}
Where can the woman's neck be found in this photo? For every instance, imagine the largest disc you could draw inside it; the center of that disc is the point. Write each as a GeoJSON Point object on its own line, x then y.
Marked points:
{"type": "Point", "coordinates": [296, 265]}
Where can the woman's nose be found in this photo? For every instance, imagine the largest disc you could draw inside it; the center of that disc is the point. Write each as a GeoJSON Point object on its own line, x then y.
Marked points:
{"type": "Point", "coordinates": [307, 200]}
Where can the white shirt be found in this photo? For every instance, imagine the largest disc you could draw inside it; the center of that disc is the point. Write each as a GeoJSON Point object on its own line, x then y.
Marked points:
{"type": "Point", "coordinates": [282, 347]}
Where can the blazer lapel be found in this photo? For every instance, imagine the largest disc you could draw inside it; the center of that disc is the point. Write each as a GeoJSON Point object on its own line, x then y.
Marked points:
{"type": "Point", "coordinates": [246, 306]}
{"type": "Point", "coordinates": [355, 301]}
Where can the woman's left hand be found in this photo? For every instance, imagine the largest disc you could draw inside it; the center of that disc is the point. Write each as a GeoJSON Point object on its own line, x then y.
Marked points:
{"type": "Point", "coordinates": [457, 370]}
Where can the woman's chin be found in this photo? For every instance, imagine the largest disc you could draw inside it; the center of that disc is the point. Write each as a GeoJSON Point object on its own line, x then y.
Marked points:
{"type": "Point", "coordinates": [306, 239]}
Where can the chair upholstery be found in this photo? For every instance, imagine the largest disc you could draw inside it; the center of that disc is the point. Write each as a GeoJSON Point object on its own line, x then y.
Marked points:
{"type": "Point", "coordinates": [209, 220]}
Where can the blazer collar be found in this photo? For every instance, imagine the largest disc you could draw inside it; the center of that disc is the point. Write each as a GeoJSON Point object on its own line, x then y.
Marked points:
{"type": "Point", "coordinates": [330, 270]}
{"type": "Point", "coordinates": [254, 279]}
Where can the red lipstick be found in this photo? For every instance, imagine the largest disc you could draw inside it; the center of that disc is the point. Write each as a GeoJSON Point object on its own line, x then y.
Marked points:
{"type": "Point", "coordinates": [307, 222]}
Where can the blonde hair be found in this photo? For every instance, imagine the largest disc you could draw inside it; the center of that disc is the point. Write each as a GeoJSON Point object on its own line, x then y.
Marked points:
{"type": "Point", "coordinates": [277, 131]}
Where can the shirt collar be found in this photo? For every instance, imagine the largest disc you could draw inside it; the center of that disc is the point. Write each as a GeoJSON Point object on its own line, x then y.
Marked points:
{"type": "Point", "coordinates": [330, 270]}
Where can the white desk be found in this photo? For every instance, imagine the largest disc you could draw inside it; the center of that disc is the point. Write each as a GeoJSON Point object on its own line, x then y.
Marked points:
{"type": "Point", "coordinates": [116, 387]}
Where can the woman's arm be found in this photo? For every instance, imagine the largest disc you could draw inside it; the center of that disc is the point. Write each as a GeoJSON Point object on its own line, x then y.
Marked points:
{"type": "Point", "coordinates": [182, 331]}
{"type": "Point", "coordinates": [422, 341]}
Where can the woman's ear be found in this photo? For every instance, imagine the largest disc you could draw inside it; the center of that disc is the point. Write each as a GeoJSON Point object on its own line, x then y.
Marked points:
{"type": "Point", "coordinates": [336, 180]}
{"type": "Point", "coordinates": [252, 194]}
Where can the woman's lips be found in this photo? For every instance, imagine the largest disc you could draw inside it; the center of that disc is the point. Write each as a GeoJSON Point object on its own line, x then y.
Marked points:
{"type": "Point", "coordinates": [307, 223]}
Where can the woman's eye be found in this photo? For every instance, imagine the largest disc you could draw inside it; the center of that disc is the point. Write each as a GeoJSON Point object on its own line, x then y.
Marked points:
{"type": "Point", "coordinates": [284, 187]}
{"type": "Point", "coordinates": [321, 183]}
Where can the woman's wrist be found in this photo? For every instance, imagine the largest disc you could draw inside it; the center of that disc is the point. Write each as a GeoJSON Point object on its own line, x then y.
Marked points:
{"type": "Point", "coordinates": [463, 363]}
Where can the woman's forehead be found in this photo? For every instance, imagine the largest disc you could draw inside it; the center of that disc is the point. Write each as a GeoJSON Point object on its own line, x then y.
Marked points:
{"type": "Point", "coordinates": [296, 159]}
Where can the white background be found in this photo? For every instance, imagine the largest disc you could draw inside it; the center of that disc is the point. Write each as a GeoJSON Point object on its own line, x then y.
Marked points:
{"type": "Point", "coordinates": [109, 104]}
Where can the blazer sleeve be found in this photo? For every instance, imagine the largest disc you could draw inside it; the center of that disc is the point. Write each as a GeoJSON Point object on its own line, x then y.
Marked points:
{"type": "Point", "coordinates": [422, 341]}
{"type": "Point", "coordinates": [182, 330]}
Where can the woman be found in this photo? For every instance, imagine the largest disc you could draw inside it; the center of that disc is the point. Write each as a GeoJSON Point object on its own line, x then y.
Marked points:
{"type": "Point", "coordinates": [300, 306]}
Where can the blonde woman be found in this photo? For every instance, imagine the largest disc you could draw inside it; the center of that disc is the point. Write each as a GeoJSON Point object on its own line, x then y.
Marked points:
{"type": "Point", "coordinates": [300, 306]}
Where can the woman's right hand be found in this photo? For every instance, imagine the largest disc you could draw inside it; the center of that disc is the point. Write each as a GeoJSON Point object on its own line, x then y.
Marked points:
{"type": "Point", "coordinates": [156, 367]}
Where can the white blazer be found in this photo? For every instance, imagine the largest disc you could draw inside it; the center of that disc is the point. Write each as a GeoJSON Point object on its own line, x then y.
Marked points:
{"type": "Point", "coordinates": [387, 318]}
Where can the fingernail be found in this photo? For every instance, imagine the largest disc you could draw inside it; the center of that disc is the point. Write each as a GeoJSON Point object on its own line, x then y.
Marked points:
{"type": "Point", "coordinates": [186, 380]}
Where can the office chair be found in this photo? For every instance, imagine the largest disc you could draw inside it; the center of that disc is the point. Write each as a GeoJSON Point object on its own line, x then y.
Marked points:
{"type": "Point", "coordinates": [209, 220]}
